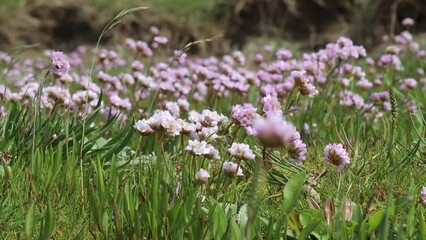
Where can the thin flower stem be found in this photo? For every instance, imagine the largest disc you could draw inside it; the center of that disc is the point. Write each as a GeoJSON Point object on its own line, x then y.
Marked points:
{"type": "Point", "coordinates": [37, 109]}
{"type": "Point", "coordinates": [164, 157]}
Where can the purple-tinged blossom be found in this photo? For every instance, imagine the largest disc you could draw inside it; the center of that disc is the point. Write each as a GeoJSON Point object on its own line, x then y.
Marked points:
{"type": "Point", "coordinates": [173, 108]}
{"type": "Point", "coordinates": [245, 115]}
{"type": "Point", "coordinates": [271, 105]}
{"type": "Point", "coordinates": [297, 150]}
{"type": "Point", "coordinates": [336, 155]}
{"type": "Point", "coordinates": [284, 54]}
{"type": "Point", "coordinates": [239, 57]}
{"type": "Point", "coordinates": [60, 64]}
{"type": "Point", "coordinates": [161, 40]}
{"type": "Point", "coordinates": [154, 30]}
{"type": "Point", "coordinates": [390, 60]}
{"type": "Point", "coordinates": [410, 83]}
{"type": "Point", "coordinates": [364, 84]}
{"type": "Point", "coordinates": [143, 47]}
{"type": "Point", "coordinates": [274, 131]}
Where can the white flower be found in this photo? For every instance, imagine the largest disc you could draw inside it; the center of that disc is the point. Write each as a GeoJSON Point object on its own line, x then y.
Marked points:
{"type": "Point", "coordinates": [241, 151]}
{"type": "Point", "coordinates": [208, 132]}
{"type": "Point", "coordinates": [212, 153]}
{"type": "Point", "coordinates": [173, 108]}
{"type": "Point", "coordinates": [202, 149]}
{"type": "Point", "coordinates": [202, 176]}
{"type": "Point", "coordinates": [183, 104]}
{"type": "Point", "coordinates": [164, 121]}
{"type": "Point", "coordinates": [143, 127]}
{"type": "Point", "coordinates": [230, 169]}
{"type": "Point", "coordinates": [197, 147]}
{"type": "Point", "coordinates": [211, 118]}
{"type": "Point", "coordinates": [187, 128]}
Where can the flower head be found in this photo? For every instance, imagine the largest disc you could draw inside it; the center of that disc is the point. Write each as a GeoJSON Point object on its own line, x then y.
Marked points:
{"type": "Point", "coordinates": [297, 150]}
{"type": "Point", "coordinates": [232, 169]}
{"type": "Point", "coordinates": [143, 127]}
{"type": "Point", "coordinates": [202, 176]}
{"type": "Point", "coordinates": [60, 64]}
{"type": "Point", "coordinates": [275, 132]}
{"type": "Point", "coordinates": [161, 40]}
{"type": "Point", "coordinates": [303, 83]}
{"type": "Point", "coordinates": [163, 121]}
{"type": "Point", "coordinates": [423, 196]}
{"type": "Point", "coordinates": [408, 22]}
{"type": "Point", "coordinates": [336, 155]}
{"type": "Point", "coordinates": [202, 148]}
{"type": "Point", "coordinates": [271, 105]}
{"type": "Point", "coordinates": [241, 151]}
{"type": "Point", "coordinates": [245, 116]}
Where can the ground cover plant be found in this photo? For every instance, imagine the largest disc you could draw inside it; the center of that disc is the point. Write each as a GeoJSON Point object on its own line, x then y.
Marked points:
{"type": "Point", "coordinates": [143, 143]}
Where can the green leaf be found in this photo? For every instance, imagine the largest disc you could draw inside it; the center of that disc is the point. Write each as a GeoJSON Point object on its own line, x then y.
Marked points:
{"type": "Point", "coordinates": [243, 216]}
{"type": "Point", "coordinates": [105, 224]}
{"type": "Point", "coordinates": [29, 221]}
{"type": "Point", "coordinates": [219, 223]}
{"type": "Point", "coordinates": [49, 222]}
{"type": "Point", "coordinates": [422, 223]}
{"type": "Point", "coordinates": [376, 219]}
{"type": "Point", "coordinates": [309, 229]}
{"type": "Point", "coordinates": [309, 216]}
{"type": "Point", "coordinates": [292, 191]}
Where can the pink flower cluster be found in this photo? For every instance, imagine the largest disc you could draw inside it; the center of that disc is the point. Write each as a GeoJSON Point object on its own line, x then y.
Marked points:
{"type": "Point", "coordinates": [337, 155]}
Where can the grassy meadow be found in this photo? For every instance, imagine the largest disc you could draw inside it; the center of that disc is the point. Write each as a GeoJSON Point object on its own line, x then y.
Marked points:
{"type": "Point", "coordinates": [136, 141]}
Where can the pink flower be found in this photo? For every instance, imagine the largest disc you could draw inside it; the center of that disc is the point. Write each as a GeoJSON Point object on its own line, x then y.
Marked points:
{"type": "Point", "coordinates": [238, 56]}
{"type": "Point", "coordinates": [284, 54]}
{"type": "Point", "coordinates": [187, 128]}
{"type": "Point", "coordinates": [271, 105]}
{"type": "Point", "coordinates": [349, 99]}
{"type": "Point", "coordinates": [336, 155]}
{"type": "Point", "coordinates": [410, 83]}
{"type": "Point", "coordinates": [245, 116]}
{"type": "Point", "coordinates": [60, 64]}
{"type": "Point", "coordinates": [161, 40]}
{"type": "Point", "coordinates": [408, 22]}
{"type": "Point", "coordinates": [137, 66]}
{"type": "Point", "coordinates": [173, 108]}
{"type": "Point", "coordinates": [274, 131]}
{"type": "Point", "coordinates": [297, 150]}
{"type": "Point", "coordinates": [143, 47]}
{"type": "Point", "coordinates": [364, 84]}
{"type": "Point", "coordinates": [154, 30]}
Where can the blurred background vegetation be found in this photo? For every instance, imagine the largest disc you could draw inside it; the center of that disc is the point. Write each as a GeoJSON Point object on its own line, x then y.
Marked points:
{"type": "Point", "coordinates": [311, 23]}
